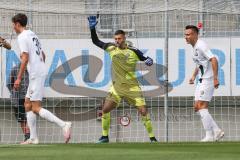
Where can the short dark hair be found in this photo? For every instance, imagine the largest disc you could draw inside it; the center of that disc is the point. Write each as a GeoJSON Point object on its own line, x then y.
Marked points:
{"type": "Point", "coordinates": [192, 27]}
{"type": "Point", "coordinates": [119, 32]}
{"type": "Point", "coordinates": [20, 18]}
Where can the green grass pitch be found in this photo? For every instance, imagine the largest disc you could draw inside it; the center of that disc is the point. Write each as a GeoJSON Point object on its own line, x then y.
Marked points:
{"type": "Point", "coordinates": [123, 151]}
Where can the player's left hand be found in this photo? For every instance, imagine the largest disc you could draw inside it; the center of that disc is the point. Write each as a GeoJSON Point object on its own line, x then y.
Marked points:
{"type": "Point", "coordinates": [216, 83]}
{"type": "Point", "coordinates": [149, 61]}
{"type": "Point", "coordinates": [17, 84]}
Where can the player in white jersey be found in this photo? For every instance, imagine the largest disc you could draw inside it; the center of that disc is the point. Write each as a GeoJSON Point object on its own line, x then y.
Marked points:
{"type": "Point", "coordinates": [207, 71]}
{"type": "Point", "coordinates": [33, 57]}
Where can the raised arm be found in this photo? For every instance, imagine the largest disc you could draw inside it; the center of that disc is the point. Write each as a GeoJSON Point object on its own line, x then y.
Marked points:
{"type": "Point", "coordinates": [96, 41]}
{"type": "Point", "coordinates": [92, 21]}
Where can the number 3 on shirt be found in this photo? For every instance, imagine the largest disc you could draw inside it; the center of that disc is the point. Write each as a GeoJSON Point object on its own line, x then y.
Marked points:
{"type": "Point", "coordinates": [37, 44]}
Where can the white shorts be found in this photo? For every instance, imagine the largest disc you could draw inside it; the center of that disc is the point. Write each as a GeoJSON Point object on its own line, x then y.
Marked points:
{"type": "Point", "coordinates": [36, 88]}
{"type": "Point", "coordinates": [204, 91]}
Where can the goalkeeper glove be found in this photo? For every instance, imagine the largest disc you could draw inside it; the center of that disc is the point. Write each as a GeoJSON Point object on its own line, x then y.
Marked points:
{"type": "Point", "coordinates": [92, 21]}
{"type": "Point", "coordinates": [149, 61]}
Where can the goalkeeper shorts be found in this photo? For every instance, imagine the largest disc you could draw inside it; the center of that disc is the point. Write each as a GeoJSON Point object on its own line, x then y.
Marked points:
{"type": "Point", "coordinates": [131, 93]}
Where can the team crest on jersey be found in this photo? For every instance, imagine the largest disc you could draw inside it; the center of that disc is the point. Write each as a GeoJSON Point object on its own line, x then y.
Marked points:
{"type": "Point", "coordinates": [202, 92]}
{"type": "Point", "coordinates": [127, 55]}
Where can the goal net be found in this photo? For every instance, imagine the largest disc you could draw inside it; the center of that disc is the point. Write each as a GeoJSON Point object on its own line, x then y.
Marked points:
{"type": "Point", "coordinates": [86, 73]}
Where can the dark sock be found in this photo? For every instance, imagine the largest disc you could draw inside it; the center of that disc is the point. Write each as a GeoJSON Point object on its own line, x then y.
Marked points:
{"type": "Point", "coordinates": [27, 136]}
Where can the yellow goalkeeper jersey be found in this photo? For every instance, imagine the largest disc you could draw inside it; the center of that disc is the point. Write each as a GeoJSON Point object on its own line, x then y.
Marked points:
{"type": "Point", "coordinates": [123, 65]}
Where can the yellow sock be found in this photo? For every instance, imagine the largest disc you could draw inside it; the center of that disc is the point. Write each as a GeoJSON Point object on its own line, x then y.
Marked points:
{"type": "Point", "coordinates": [105, 123]}
{"type": "Point", "coordinates": [148, 125]}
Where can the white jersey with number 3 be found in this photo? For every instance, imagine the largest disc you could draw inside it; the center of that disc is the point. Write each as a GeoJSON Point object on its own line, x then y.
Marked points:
{"type": "Point", "coordinates": [29, 43]}
{"type": "Point", "coordinates": [201, 56]}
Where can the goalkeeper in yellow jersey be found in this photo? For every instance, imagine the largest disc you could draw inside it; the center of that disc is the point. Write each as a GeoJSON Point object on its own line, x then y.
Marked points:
{"type": "Point", "coordinates": [124, 81]}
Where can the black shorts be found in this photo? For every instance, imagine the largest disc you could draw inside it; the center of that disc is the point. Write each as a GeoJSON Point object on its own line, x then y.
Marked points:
{"type": "Point", "coordinates": [19, 110]}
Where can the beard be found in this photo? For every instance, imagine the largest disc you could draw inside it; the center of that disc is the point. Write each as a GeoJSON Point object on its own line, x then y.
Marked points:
{"type": "Point", "coordinates": [120, 45]}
